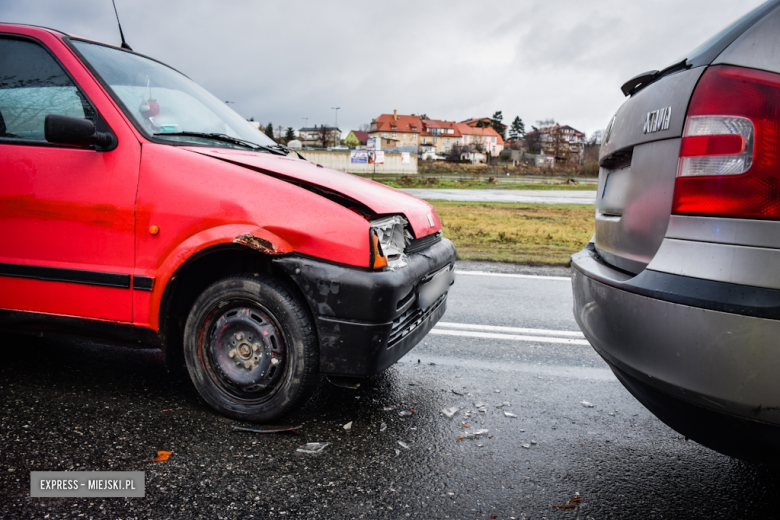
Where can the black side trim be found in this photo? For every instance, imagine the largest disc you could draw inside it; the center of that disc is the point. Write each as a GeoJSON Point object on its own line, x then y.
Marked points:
{"type": "Point", "coordinates": [46, 324]}
{"type": "Point", "coordinates": [55, 274]}
{"type": "Point", "coordinates": [143, 283]}
{"type": "Point", "coordinates": [758, 302]}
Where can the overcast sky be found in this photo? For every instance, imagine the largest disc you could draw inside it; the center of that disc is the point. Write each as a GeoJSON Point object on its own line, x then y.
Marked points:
{"type": "Point", "coordinates": [286, 61]}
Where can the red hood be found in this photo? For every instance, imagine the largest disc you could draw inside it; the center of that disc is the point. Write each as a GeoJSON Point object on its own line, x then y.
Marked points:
{"type": "Point", "coordinates": [381, 199]}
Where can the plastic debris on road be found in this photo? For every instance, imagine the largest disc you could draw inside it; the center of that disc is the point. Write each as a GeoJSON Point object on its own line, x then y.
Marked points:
{"type": "Point", "coordinates": [505, 403]}
{"type": "Point", "coordinates": [404, 413]}
{"type": "Point", "coordinates": [450, 412]}
{"type": "Point", "coordinates": [280, 429]}
{"type": "Point", "coordinates": [313, 447]}
{"type": "Point", "coordinates": [533, 442]}
{"type": "Point", "coordinates": [526, 446]}
{"type": "Point", "coordinates": [348, 426]}
{"type": "Point", "coordinates": [382, 427]}
{"type": "Point", "coordinates": [481, 432]}
{"type": "Point", "coordinates": [586, 404]}
{"type": "Point", "coordinates": [403, 445]}
{"type": "Point", "coordinates": [162, 455]}
{"type": "Point", "coordinates": [510, 414]}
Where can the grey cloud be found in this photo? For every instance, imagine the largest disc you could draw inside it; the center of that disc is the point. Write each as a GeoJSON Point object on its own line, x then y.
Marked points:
{"type": "Point", "coordinates": [283, 61]}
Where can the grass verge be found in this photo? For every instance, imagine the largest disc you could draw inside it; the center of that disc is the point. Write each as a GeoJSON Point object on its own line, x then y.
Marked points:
{"type": "Point", "coordinates": [534, 234]}
{"type": "Point", "coordinates": [476, 183]}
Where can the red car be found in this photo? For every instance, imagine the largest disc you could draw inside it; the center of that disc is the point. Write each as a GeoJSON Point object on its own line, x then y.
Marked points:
{"type": "Point", "coordinates": [136, 207]}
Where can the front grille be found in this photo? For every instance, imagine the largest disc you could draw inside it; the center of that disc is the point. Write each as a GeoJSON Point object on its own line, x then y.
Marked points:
{"type": "Point", "coordinates": [410, 320]}
{"type": "Point", "coordinates": [419, 244]}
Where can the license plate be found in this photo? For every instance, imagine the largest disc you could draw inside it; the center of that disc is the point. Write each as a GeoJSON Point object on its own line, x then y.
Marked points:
{"type": "Point", "coordinates": [430, 291]}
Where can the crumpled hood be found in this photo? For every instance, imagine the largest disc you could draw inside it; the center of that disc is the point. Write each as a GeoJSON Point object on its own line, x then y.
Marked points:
{"type": "Point", "coordinates": [381, 199]}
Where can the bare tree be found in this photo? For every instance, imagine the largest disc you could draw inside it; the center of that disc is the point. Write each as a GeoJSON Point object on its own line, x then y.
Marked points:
{"type": "Point", "coordinates": [365, 128]}
{"type": "Point", "coordinates": [324, 134]}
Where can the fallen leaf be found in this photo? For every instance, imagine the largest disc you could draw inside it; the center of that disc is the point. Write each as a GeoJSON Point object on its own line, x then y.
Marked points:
{"type": "Point", "coordinates": [493, 516]}
{"type": "Point", "coordinates": [490, 437]}
{"type": "Point", "coordinates": [162, 455]}
{"type": "Point", "coordinates": [576, 499]}
{"type": "Point", "coordinates": [465, 425]}
{"type": "Point", "coordinates": [461, 438]}
{"type": "Point", "coordinates": [411, 410]}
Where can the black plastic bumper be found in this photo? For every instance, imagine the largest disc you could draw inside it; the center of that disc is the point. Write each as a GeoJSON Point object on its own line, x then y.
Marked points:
{"type": "Point", "coordinates": [367, 320]}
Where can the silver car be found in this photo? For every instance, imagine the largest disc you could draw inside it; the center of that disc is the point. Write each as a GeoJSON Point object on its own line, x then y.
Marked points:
{"type": "Point", "coordinates": [679, 290]}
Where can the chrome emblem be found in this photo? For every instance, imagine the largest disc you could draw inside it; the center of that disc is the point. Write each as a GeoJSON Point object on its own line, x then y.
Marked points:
{"type": "Point", "coordinates": [657, 120]}
{"type": "Point", "coordinates": [430, 219]}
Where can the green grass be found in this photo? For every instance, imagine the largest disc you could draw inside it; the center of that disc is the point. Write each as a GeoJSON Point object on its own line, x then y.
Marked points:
{"type": "Point", "coordinates": [534, 234]}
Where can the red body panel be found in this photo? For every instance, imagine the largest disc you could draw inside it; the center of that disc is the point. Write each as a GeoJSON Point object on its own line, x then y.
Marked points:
{"type": "Point", "coordinates": [197, 202]}
{"type": "Point", "coordinates": [380, 198]}
{"type": "Point", "coordinates": [69, 208]}
{"type": "Point", "coordinates": [88, 210]}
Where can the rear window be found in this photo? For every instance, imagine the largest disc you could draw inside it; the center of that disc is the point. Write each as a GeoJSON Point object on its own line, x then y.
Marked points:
{"type": "Point", "coordinates": [705, 53]}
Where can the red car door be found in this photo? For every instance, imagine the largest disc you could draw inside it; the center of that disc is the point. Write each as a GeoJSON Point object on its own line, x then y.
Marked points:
{"type": "Point", "coordinates": [66, 214]}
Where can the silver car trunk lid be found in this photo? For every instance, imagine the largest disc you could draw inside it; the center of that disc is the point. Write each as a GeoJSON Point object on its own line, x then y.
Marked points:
{"type": "Point", "coordinates": [638, 166]}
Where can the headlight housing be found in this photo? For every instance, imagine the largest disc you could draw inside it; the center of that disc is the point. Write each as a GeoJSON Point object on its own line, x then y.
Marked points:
{"type": "Point", "coordinates": [389, 238]}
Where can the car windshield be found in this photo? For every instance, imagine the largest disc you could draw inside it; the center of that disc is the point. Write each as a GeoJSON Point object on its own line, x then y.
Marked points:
{"type": "Point", "coordinates": [166, 104]}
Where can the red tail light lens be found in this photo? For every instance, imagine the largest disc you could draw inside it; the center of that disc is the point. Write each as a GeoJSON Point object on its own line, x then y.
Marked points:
{"type": "Point", "coordinates": [730, 151]}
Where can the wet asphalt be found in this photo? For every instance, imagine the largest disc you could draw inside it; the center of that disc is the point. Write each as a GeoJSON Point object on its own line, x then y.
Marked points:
{"type": "Point", "coordinates": [70, 405]}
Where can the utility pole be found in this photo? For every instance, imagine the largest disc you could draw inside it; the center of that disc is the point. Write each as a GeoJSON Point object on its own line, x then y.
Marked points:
{"type": "Point", "coordinates": [305, 121]}
{"type": "Point", "coordinates": [337, 115]}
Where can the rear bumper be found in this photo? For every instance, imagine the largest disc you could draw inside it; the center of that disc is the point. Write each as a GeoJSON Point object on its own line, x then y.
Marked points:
{"type": "Point", "coordinates": [367, 320]}
{"type": "Point", "coordinates": [709, 344]}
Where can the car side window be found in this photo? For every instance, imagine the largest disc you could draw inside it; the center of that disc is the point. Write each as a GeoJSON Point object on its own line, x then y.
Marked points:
{"type": "Point", "coordinates": [32, 86]}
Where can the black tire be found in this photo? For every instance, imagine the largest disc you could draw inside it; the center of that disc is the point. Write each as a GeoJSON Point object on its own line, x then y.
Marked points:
{"type": "Point", "coordinates": [251, 349]}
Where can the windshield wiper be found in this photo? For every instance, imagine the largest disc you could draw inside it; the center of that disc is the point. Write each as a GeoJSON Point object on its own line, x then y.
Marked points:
{"type": "Point", "coordinates": [276, 149]}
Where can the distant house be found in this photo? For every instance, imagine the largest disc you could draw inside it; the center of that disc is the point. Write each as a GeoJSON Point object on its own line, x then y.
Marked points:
{"type": "Point", "coordinates": [473, 157]}
{"type": "Point", "coordinates": [484, 139]}
{"type": "Point", "coordinates": [397, 130]}
{"type": "Point", "coordinates": [313, 136]}
{"type": "Point", "coordinates": [562, 142]}
{"type": "Point", "coordinates": [443, 135]}
{"type": "Point", "coordinates": [356, 138]}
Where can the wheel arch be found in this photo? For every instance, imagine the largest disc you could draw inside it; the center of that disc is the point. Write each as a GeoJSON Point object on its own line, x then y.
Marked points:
{"type": "Point", "coordinates": [197, 273]}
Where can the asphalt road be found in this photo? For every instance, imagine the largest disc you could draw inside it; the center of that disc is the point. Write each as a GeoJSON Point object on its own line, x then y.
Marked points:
{"type": "Point", "coordinates": [76, 405]}
{"type": "Point", "coordinates": [507, 195]}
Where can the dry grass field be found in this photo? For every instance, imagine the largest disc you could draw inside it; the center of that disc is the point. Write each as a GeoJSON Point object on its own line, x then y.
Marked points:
{"type": "Point", "coordinates": [533, 234]}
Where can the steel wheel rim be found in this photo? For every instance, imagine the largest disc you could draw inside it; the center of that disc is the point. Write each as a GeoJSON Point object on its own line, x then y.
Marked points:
{"type": "Point", "coordinates": [244, 351]}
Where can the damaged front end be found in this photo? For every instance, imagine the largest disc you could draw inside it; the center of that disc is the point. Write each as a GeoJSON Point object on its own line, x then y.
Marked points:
{"type": "Point", "coordinates": [390, 237]}
{"type": "Point", "coordinates": [367, 319]}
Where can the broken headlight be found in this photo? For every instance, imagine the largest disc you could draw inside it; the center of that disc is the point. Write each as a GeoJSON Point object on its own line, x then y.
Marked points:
{"type": "Point", "coordinates": [389, 236]}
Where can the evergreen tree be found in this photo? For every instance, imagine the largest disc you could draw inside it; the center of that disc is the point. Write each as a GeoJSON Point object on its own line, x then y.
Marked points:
{"type": "Point", "coordinates": [496, 123]}
{"type": "Point", "coordinates": [269, 130]}
{"type": "Point", "coordinates": [517, 130]}
{"type": "Point", "coordinates": [289, 135]}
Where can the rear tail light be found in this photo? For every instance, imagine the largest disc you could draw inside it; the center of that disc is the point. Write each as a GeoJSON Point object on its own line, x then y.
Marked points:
{"type": "Point", "coordinates": [730, 151]}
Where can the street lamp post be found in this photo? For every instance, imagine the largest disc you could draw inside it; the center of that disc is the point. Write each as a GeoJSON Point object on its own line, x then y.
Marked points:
{"type": "Point", "coordinates": [337, 115]}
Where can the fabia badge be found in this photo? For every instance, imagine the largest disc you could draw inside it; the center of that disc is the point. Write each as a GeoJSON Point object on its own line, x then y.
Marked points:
{"type": "Point", "coordinates": [657, 120]}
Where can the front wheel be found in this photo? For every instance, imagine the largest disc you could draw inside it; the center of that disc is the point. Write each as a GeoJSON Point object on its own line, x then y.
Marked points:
{"type": "Point", "coordinates": [250, 348]}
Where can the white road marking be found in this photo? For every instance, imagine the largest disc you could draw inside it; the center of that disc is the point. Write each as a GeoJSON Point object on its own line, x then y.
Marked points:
{"type": "Point", "coordinates": [510, 275]}
{"type": "Point", "coordinates": [514, 330]}
{"type": "Point", "coordinates": [513, 337]}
